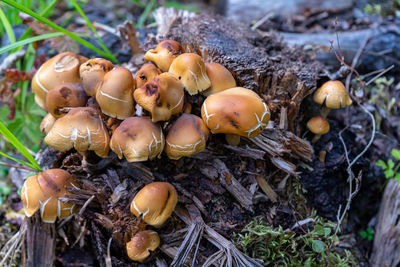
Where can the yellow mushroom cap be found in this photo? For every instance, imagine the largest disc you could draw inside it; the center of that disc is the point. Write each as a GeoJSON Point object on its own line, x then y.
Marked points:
{"type": "Point", "coordinates": [82, 129]}
{"type": "Point", "coordinates": [221, 79]}
{"type": "Point", "coordinates": [42, 191]}
{"type": "Point", "coordinates": [138, 139]}
{"type": "Point", "coordinates": [237, 111]}
{"type": "Point", "coordinates": [165, 52]}
{"type": "Point", "coordinates": [155, 202]}
{"type": "Point", "coordinates": [114, 94]}
{"type": "Point", "coordinates": [146, 73]}
{"type": "Point", "coordinates": [333, 94]}
{"type": "Point", "coordinates": [47, 122]}
{"type": "Point", "coordinates": [63, 68]}
{"type": "Point", "coordinates": [138, 249]}
{"type": "Point", "coordinates": [318, 125]}
{"type": "Point", "coordinates": [188, 135]}
{"type": "Point", "coordinates": [92, 73]}
{"type": "Point", "coordinates": [190, 69]}
{"type": "Point", "coordinates": [162, 97]}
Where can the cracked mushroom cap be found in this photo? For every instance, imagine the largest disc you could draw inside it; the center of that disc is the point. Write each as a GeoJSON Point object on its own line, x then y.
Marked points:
{"type": "Point", "coordinates": [92, 73]}
{"type": "Point", "coordinates": [82, 129]}
{"type": "Point", "coordinates": [138, 139]}
{"type": "Point", "coordinates": [65, 95]}
{"type": "Point", "coordinates": [138, 249]}
{"type": "Point", "coordinates": [318, 125]}
{"type": "Point", "coordinates": [47, 122]}
{"type": "Point", "coordinates": [221, 78]}
{"type": "Point", "coordinates": [162, 97]}
{"type": "Point", "coordinates": [42, 191]}
{"type": "Point", "coordinates": [155, 203]}
{"type": "Point", "coordinates": [190, 69]}
{"type": "Point", "coordinates": [237, 111]}
{"type": "Point", "coordinates": [333, 94]}
{"type": "Point", "coordinates": [114, 93]}
{"type": "Point", "coordinates": [188, 135]}
{"type": "Point", "coordinates": [63, 68]}
{"type": "Point", "coordinates": [165, 52]}
{"type": "Point", "coordinates": [146, 73]}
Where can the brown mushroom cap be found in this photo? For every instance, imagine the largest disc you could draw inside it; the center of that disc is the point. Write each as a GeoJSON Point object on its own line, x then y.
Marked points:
{"type": "Point", "coordinates": [235, 111]}
{"type": "Point", "coordinates": [146, 73]}
{"type": "Point", "coordinates": [47, 122]}
{"type": "Point", "coordinates": [318, 125]}
{"type": "Point", "coordinates": [164, 54]}
{"type": "Point", "coordinates": [138, 249]}
{"type": "Point", "coordinates": [114, 93]}
{"type": "Point", "coordinates": [191, 71]}
{"type": "Point", "coordinates": [155, 202]}
{"type": "Point", "coordinates": [63, 68]}
{"type": "Point", "coordinates": [162, 97]}
{"type": "Point", "coordinates": [221, 79]}
{"type": "Point", "coordinates": [92, 73]}
{"type": "Point", "coordinates": [333, 94]}
{"type": "Point", "coordinates": [188, 135]}
{"type": "Point", "coordinates": [65, 95]}
{"type": "Point", "coordinates": [138, 139]}
{"type": "Point", "coordinates": [82, 129]}
{"type": "Point", "coordinates": [42, 191]}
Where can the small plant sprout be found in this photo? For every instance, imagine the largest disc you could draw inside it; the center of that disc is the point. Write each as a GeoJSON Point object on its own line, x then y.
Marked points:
{"type": "Point", "coordinates": [391, 167]}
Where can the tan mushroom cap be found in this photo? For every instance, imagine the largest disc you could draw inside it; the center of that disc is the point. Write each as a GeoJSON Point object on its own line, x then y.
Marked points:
{"type": "Point", "coordinates": [63, 68]}
{"type": "Point", "coordinates": [188, 135]}
{"type": "Point", "coordinates": [237, 111]}
{"type": "Point", "coordinates": [42, 191]}
{"type": "Point", "coordinates": [65, 95]}
{"type": "Point", "coordinates": [82, 129]}
{"type": "Point", "coordinates": [114, 93]}
{"type": "Point", "coordinates": [47, 122]}
{"type": "Point", "coordinates": [162, 97]}
{"type": "Point", "coordinates": [138, 249]}
{"type": "Point", "coordinates": [318, 125]}
{"type": "Point", "coordinates": [221, 78]}
{"type": "Point", "coordinates": [92, 73]}
{"type": "Point", "coordinates": [155, 203]}
{"type": "Point", "coordinates": [191, 70]}
{"type": "Point", "coordinates": [146, 73]}
{"type": "Point", "coordinates": [333, 94]}
{"type": "Point", "coordinates": [165, 52]}
{"type": "Point", "coordinates": [138, 139]}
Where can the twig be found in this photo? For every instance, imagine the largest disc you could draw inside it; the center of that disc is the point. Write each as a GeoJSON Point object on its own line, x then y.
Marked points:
{"type": "Point", "coordinates": [10, 60]}
{"type": "Point", "coordinates": [295, 218]}
{"type": "Point", "coordinates": [18, 167]}
{"type": "Point", "coordinates": [262, 20]}
{"type": "Point", "coordinates": [379, 75]}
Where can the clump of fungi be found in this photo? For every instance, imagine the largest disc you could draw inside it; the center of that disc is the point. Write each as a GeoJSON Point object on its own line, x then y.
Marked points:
{"type": "Point", "coordinates": [94, 105]}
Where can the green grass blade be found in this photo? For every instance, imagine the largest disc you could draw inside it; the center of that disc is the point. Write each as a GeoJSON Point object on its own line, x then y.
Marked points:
{"type": "Point", "coordinates": [145, 14]}
{"type": "Point", "coordinates": [17, 160]}
{"type": "Point", "coordinates": [7, 26]}
{"type": "Point", "coordinates": [28, 41]}
{"type": "Point", "coordinates": [140, 4]}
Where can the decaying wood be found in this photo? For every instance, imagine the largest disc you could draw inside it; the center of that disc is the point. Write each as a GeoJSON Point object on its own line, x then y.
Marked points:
{"type": "Point", "coordinates": [267, 189]}
{"type": "Point", "coordinates": [386, 250]}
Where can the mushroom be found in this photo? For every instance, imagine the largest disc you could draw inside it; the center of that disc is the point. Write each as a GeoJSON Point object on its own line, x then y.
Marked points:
{"type": "Point", "coordinates": [220, 78]}
{"type": "Point", "coordinates": [47, 122]}
{"type": "Point", "coordinates": [65, 95]}
{"type": "Point", "coordinates": [155, 203]}
{"type": "Point", "coordinates": [92, 73]}
{"type": "Point", "coordinates": [114, 93]}
{"type": "Point", "coordinates": [318, 126]}
{"type": "Point", "coordinates": [82, 129]}
{"type": "Point", "coordinates": [332, 95]}
{"type": "Point", "coordinates": [42, 191]}
{"type": "Point", "coordinates": [63, 68]}
{"type": "Point", "coordinates": [190, 69]}
{"type": "Point", "coordinates": [138, 249]}
{"type": "Point", "coordinates": [164, 54]}
{"type": "Point", "coordinates": [146, 73]}
{"type": "Point", "coordinates": [138, 139]}
{"type": "Point", "coordinates": [188, 135]}
{"type": "Point", "coordinates": [162, 97]}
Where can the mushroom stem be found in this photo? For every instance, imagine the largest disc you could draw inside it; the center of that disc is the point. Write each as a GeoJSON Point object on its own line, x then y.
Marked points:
{"type": "Point", "coordinates": [232, 139]}
{"type": "Point", "coordinates": [315, 138]}
{"type": "Point", "coordinates": [325, 111]}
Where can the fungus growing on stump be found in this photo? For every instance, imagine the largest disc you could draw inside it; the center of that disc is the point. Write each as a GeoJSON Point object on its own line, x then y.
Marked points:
{"type": "Point", "coordinates": [220, 78]}
{"type": "Point", "coordinates": [165, 52]}
{"type": "Point", "coordinates": [138, 249]}
{"type": "Point", "coordinates": [332, 95]}
{"type": "Point", "coordinates": [318, 126]}
{"type": "Point", "coordinates": [92, 73]}
{"type": "Point", "coordinates": [146, 73]}
{"type": "Point", "coordinates": [47, 122]}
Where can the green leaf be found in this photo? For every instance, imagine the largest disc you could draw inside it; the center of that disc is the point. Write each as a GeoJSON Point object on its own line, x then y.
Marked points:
{"type": "Point", "coordinates": [28, 41]}
{"type": "Point", "coordinates": [397, 177]}
{"type": "Point", "coordinates": [396, 153]}
{"type": "Point", "coordinates": [381, 164]}
{"type": "Point", "coordinates": [7, 26]}
{"type": "Point", "coordinates": [389, 173]}
{"type": "Point", "coordinates": [318, 246]}
{"type": "Point", "coordinates": [363, 234]}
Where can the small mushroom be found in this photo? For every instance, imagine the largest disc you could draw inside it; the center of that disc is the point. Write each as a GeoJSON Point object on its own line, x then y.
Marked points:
{"type": "Point", "coordinates": [164, 54]}
{"type": "Point", "coordinates": [92, 73]}
{"type": "Point", "coordinates": [65, 95]}
{"type": "Point", "coordinates": [63, 68]}
{"type": "Point", "coordinates": [47, 122]}
{"type": "Point", "coordinates": [188, 135]}
{"type": "Point", "coordinates": [155, 203]}
{"type": "Point", "coordinates": [332, 95]}
{"type": "Point", "coordinates": [220, 78]}
{"type": "Point", "coordinates": [318, 126]}
{"type": "Point", "coordinates": [114, 93]}
{"type": "Point", "coordinates": [138, 249]}
{"type": "Point", "coordinates": [42, 191]}
{"type": "Point", "coordinates": [146, 73]}
{"type": "Point", "coordinates": [138, 139]}
{"type": "Point", "coordinates": [82, 129]}
{"type": "Point", "coordinates": [162, 97]}
{"type": "Point", "coordinates": [190, 69]}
